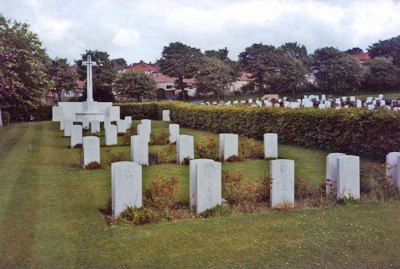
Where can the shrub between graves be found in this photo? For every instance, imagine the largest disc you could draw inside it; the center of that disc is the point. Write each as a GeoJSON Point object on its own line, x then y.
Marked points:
{"type": "Point", "coordinates": [159, 138]}
{"type": "Point", "coordinates": [370, 134]}
{"type": "Point", "coordinates": [207, 147]}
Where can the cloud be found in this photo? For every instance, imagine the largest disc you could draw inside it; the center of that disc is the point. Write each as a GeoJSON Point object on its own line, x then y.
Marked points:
{"type": "Point", "coordinates": [139, 30]}
{"type": "Point", "coordinates": [126, 38]}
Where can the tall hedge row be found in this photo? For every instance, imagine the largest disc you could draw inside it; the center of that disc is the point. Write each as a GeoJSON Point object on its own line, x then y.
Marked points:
{"type": "Point", "coordinates": [352, 131]}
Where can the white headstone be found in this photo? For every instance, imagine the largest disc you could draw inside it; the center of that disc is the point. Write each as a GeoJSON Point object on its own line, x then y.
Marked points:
{"type": "Point", "coordinates": [228, 146]}
{"type": "Point", "coordinates": [128, 121]}
{"type": "Point", "coordinates": [392, 166]}
{"type": "Point", "coordinates": [91, 149]}
{"type": "Point", "coordinates": [165, 115]}
{"type": "Point", "coordinates": [205, 184]}
{"type": "Point", "coordinates": [359, 104]}
{"type": "Point", "coordinates": [114, 113]}
{"type": "Point", "coordinates": [61, 125]}
{"type": "Point", "coordinates": [94, 126]}
{"type": "Point", "coordinates": [331, 171]}
{"type": "Point", "coordinates": [270, 145]}
{"type": "Point", "coordinates": [126, 186]}
{"type": "Point", "coordinates": [107, 122]}
{"type": "Point", "coordinates": [111, 135]}
{"type": "Point", "coordinates": [147, 125]}
{"type": "Point", "coordinates": [121, 126]}
{"type": "Point", "coordinates": [184, 148]}
{"type": "Point", "coordinates": [282, 183]}
{"type": "Point", "coordinates": [143, 130]}
{"type": "Point", "coordinates": [68, 127]}
{"type": "Point", "coordinates": [58, 113]}
{"type": "Point", "coordinates": [139, 150]}
{"type": "Point", "coordinates": [173, 132]}
{"type": "Point", "coordinates": [76, 135]}
{"type": "Point", "coordinates": [348, 179]}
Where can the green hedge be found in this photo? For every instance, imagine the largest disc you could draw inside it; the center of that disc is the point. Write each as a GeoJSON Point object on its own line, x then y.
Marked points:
{"type": "Point", "coordinates": [370, 134]}
{"type": "Point", "coordinates": [41, 113]}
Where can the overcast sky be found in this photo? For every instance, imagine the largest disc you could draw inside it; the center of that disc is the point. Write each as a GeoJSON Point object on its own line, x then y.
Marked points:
{"type": "Point", "coordinates": [138, 30]}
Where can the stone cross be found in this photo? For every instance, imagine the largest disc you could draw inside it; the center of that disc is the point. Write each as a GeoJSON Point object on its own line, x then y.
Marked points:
{"type": "Point", "coordinates": [89, 85]}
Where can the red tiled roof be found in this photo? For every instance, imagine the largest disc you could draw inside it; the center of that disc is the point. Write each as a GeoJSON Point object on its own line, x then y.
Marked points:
{"type": "Point", "coordinates": [159, 78]}
{"type": "Point", "coordinates": [244, 77]}
{"type": "Point", "coordinates": [361, 56]}
{"type": "Point", "coordinates": [144, 67]}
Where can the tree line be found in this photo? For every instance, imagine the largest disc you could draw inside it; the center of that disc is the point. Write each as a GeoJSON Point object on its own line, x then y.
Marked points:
{"type": "Point", "coordinates": [27, 72]}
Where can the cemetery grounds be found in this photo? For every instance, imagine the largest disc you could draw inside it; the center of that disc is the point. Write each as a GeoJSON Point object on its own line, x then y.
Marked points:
{"type": "Point", "coordinates": [50, 216]}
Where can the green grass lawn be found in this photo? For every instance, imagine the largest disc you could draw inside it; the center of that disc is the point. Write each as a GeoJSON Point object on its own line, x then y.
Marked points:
{"type": "Point", "coordinates": [50, 217]}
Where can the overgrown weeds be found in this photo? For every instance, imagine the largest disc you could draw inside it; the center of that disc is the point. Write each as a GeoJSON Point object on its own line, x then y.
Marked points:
{"type": "Point", "coordinates": [207, 147]}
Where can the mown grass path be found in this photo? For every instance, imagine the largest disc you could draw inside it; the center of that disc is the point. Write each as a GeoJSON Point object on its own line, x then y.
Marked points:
{"type": "Point", "coordinates": [49, 218]}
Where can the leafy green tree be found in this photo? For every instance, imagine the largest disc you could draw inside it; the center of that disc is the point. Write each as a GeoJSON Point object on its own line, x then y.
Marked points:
{"type": "Point", "coordinates": [23, 69]}
{"type": "Point", "coordinates": [382, 75]}
{"type": "Point", "coordinates": [336, 71]}
{"type": "Point", "coordinates": [291, 76]}
{"type": "Point", "coordinates": [120, 61]}
{"type": "Point", "coordinates": [61, 76]}
{"type": "Point", "coordinates": [181, 62]}
{"type": "Point", "coordinates": [213, 77]}
{"type": "Point", "coordinates": [221, 54]}
{"type": "Point", "coordinates": [295, 50]}
{"type": "Point", "coordinates": [135, 85]}
{"type": "Point", "coordinates": [354, 51]}
{"type": "Point", "coordinates": [104, 74]}
{"type": "Point", "coordinates": [389, 48]}
{"type": "Point", "coordinates": [260, 60]}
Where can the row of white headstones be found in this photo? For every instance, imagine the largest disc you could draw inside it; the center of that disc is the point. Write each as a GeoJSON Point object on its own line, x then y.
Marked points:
{"type": "Point", "coordinates": [342, 170]}
{"type": "Point", "coordinates": [307, 102]}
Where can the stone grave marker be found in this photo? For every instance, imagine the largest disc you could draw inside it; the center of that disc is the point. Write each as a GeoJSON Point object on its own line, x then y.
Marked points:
{"type": "Point", "coordinates": [392, 166]}
{"type": "Point", "coordinates": [173, 133]}
{"type": "Point", "coordinates": [184, 148]}
{"type": "Point", "coordinates": [165, 115]}
{"type": "Point", "coordinates": [126, 186]}
{"type": "Point", "coordinates": [348, 179]}
{"type": "Point", "coordinates": [282, 183]}
{"type": "Point", "coordinates": [68, 127]}
{"type": "Point", "coordinates": [270, 145]}
{"type": "Point", "coordinates": [139, 150]}
{"type": "Point", "coordinates": [91, 149]}
{"type": "Point", "coordinates": [76, 135]}
{"type": "Point", "coordinates": [205, 184]}
{"type": "Point", "coordinates": [121, 126]}
{"type": "Point", "coordinates": [228, 146]}
{"type": "Point", "coordinates": [331, 171]}
{"type": "Point", "coordinates": [128, 122]}
{"type": "Point", "coordinates": [111, 135]}
{"type": "Point", "coordinates": [94, 126]}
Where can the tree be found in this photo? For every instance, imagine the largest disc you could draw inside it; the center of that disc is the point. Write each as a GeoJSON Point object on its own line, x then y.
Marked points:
{"type": "Point", "coordinates": [214, 76]}
{"type": "Point", "coordinates": [389, 48]}
{"type": "Point", "coordinates": [221, 54]}
{"type": "Point", "coordinates": [354, 51]}
{"type": "Point", "coordinates": [61, 76]}
{"type": "Point", "coordinates": [336, 72]}
{"type": "Point", "coordinates": [120, 61]}
{"type": "Point", "coordinates": [23, 66]}
{"type": "Point", "coordinates": [382, 75]}
{"type": "Point", "coordinates": [259, 60]}
{"type": "Point", "coordinates": [295, 50]}
{"type": "Point", "coordinates": [291, 76]}
{"type": "Point", "coordinates": [181, 62]}
{"type": "Point", "coordinates": [104, 74]}
{"type": "Point", "coordinates": [135, 85]}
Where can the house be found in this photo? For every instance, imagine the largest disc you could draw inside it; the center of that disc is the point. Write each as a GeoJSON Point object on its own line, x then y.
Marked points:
{"type": "Point", "coordinates": [242, 80]}
{"type": "Point", "coordinates": [361, 58]}
{"type": "Point", "coordinates": [147, 68]}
